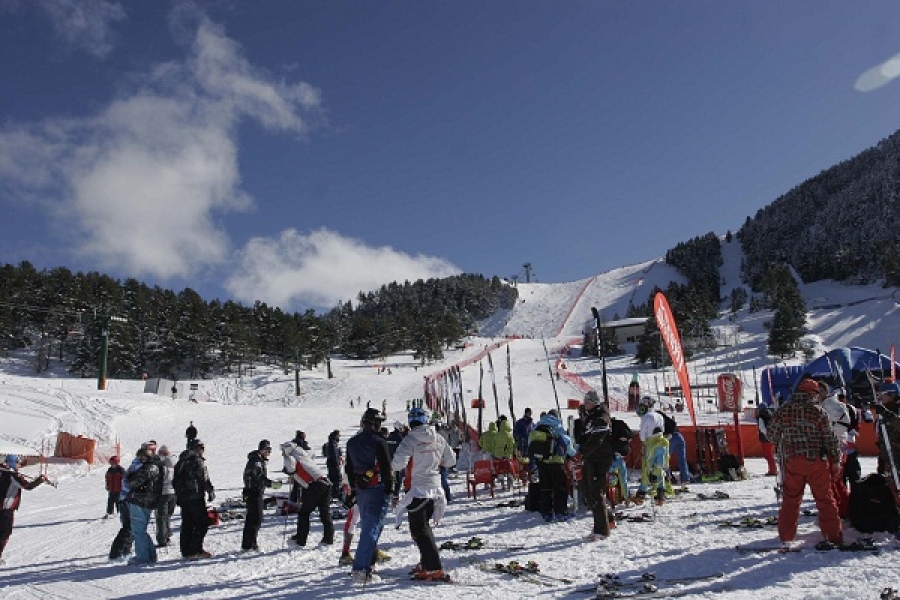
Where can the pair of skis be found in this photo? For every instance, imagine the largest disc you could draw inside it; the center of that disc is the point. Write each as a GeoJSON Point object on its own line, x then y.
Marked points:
{"type": "Point", "coordinates": [647, 586]}
{"type": "Point", "coordinates": [861, 545]}
{"type": "Point", "coordinates": [476, 543]}
{"type": "Point", "coordinates": [529, 571]}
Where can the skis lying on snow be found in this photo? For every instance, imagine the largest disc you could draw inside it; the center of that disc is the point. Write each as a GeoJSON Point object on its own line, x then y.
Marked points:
{"type": "Point", "coordinates": [650, 591]}
{"type": "Point", "coordinates": [476, 543]}
{"type": "Point", "coordinates": [411, 577]}
{"type": "Point", "coordinates": [529, 571]}
{"type": "Point", "coordinates": [647, 582]}
{"type": "Point", "coordinates": [860, 545]}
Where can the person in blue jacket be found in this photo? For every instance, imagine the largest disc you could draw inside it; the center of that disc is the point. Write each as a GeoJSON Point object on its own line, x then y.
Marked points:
{"type": "Point", "coordinates": [551, 466]}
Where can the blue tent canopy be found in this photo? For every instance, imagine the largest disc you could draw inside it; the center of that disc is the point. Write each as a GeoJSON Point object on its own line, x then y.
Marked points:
{"type": "Point", "coordinates": [847, 368]}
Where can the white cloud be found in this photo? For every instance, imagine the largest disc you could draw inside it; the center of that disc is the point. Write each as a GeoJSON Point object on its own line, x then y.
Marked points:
{"type": "Point", "coordinates": [323, 268]}
{"type": "Point", "coordinates": [84, 24]}
{"type": "Point", "coordinates": [879, 75]}
{"type": "Point", "coordinates": [142, 182]}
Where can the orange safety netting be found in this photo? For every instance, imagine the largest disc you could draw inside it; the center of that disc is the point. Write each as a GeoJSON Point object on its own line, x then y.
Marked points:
{"type": "Point", "coordinates": [70, 446]}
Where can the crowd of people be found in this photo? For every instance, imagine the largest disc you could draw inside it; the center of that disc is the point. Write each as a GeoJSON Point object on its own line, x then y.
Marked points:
{"type": "Point", "coordinates": [807, 440]}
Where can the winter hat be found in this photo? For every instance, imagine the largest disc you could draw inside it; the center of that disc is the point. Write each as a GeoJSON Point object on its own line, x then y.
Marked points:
{"type": "Point", "coordinates": [113, 460]}
{"type": "Point", "coordinates": [553, 412]}
{"type": "Point", "coordinates": [163, 450]}
{"type": "Point", "coordinates": [808, 386]}
{"type": "Point", "coordinates": [12, 460]}
{"type": "Point", "coordinates": [373, 416]}
{"type": "Point", "coordinates": [592, 396]}
{"type": "Point", "coordinates": [264, 445]}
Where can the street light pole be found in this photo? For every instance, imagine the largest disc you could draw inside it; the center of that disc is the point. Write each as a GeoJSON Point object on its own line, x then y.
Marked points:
{"type": "Point", "coordinates": [296, 372]}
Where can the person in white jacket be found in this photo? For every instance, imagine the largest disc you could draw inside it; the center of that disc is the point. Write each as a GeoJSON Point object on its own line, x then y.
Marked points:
{"type": "Point", "coordinates": [316, 492]}
{"type": "Point", "coordinates": [651, 421]}
{"type": "Point", "coordinates": [422, 453]}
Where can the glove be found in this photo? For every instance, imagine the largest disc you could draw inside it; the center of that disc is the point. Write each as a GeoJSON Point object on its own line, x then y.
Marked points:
{"type": "Point", "coordinates": [276, 485]}
{"type": "Point", "coordinates": [211, 495]}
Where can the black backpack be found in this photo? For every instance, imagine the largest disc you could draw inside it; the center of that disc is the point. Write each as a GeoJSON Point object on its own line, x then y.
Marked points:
{"type": "Point", "coordinates": [542, 442]}
{"type": "Point", "coordinates": [669, 424]}
{"type": "Point", "coordinates": [621, 435]}
{"type": "Point", "coordinates": [872, 505]}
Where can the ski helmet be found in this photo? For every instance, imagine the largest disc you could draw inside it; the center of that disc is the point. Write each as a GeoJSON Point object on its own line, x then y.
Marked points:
{"type": "Point", "coordinates": [416, 417]}
{"type": "Point", "coordinates": [12, 460]}
{"type": "Point", "coordinates": [592, 396]}
{"type": "Point", "coordinates": [264, 445]}
{"type": "Point", "coordinates": [644, 405]}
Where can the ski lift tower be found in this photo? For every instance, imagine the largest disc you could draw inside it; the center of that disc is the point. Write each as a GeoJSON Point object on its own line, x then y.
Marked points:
{"type": "Point", "coordinates": [527, 267]}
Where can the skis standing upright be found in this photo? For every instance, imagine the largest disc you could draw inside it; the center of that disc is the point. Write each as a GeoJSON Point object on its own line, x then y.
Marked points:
{"type": "Point", "coordinates": [494, 385]}
{"type": "Point", "coordinates": [512, 415]}
{"type": "Point", "coordinates": [601, 354]}
{"type": "Point", "coordinates": [480, 399]}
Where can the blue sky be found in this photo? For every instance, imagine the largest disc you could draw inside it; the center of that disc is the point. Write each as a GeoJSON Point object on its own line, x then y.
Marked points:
{"type": "Point", "coordinates": [298, 152]}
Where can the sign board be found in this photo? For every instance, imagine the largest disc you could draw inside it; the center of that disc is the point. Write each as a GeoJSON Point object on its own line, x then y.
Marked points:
{"type": "Point", "coordinates": [729, 387]}
{"type": "Point", "coordinates": [195, 387]}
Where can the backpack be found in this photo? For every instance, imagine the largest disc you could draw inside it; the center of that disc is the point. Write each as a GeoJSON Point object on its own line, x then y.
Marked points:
{"type": "Point", "coordinates": [621, 437]}
{"type": "Point", "coordinates": [542, 442]}
{"type": "Point", "coordinates": [872, 505]}
{"type": "Point", "coordinates": [669, 424]}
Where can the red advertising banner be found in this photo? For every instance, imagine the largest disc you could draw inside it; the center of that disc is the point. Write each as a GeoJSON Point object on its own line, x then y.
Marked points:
{"type": "Point", "coordinates": [669, 331]}
{"type": "Point", "coordinates": [730, 388]}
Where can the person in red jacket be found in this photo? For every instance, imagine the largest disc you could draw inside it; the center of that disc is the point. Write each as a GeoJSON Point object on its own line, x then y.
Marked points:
{"type": "Point", "coordinates": [11, 486]}
{"type": "Point", "coordinates": [114, 475]}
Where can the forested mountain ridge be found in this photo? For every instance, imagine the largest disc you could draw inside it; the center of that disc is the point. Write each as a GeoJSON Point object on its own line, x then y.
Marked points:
{"type": "Point", "coordinates": [841, 224]}
{"type": "Point", "coordinates": [159, 332]}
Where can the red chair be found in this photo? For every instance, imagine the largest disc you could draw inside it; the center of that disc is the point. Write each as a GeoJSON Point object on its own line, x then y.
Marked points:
{"type": "Point", "coordinates": [507, 468]}
{"type": "Point", "coordinates": [482, 473]}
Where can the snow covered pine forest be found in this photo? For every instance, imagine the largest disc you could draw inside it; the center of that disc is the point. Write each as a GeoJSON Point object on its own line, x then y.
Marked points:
{"type": "Point", "coordinates": [60, 543]}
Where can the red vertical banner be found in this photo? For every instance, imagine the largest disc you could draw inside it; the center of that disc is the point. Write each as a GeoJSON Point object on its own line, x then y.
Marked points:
{"type": "Point", "coordinates": [669, 331]}
{"type": "Point", "coordinates": [730, 389]}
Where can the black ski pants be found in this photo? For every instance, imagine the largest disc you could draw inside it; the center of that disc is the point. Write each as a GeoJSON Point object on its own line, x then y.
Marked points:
{"type": "Point", "coordinates": [594, 470]}
{"type": "Point", "coordinates": [7, 516]}
{"type": "Point", "coordinates": [554, 489]}
{"type": "Point", "coordinates": [253, 519]}
{"type": "Point", "coordinates": [316, 496]}
{"type": "Point", "coordinates": [164, 511]}
{"type": "Point", "coordinates": [420, 512]}
{"type": "Point", "coordinates": [122, 543]}
{"type": "Point", "coordinates": [194, 525]}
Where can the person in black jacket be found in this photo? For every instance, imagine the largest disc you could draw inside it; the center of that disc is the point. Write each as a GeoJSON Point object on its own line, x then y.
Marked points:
{"type": "Point", "coordinates": [11, 486]}
{"type": "Point", "coordinates": [192, 489]}
{"type": "Point", "coordinates": [191, 434]}
{"type": "Point", "coordinates": [144, 492]}
{"type": "Point", "coordinates": [334, 458]}
{"type": "Point", "coordinates": [369, 469]}
{"type": "Point", "coordinates": [595, 444]}
{"type": "Point", "coordinates": [255, 483]}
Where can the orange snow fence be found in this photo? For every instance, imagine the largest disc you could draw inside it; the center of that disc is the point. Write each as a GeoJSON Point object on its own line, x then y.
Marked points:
{"type": "Point", "coordinates": [79, 447]}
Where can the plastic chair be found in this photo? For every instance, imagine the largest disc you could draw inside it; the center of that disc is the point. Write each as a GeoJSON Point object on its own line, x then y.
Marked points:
{"type": "Point", "coordinates": [482, 473]}
{"type": "Point", "coordinates": [506, 470]}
